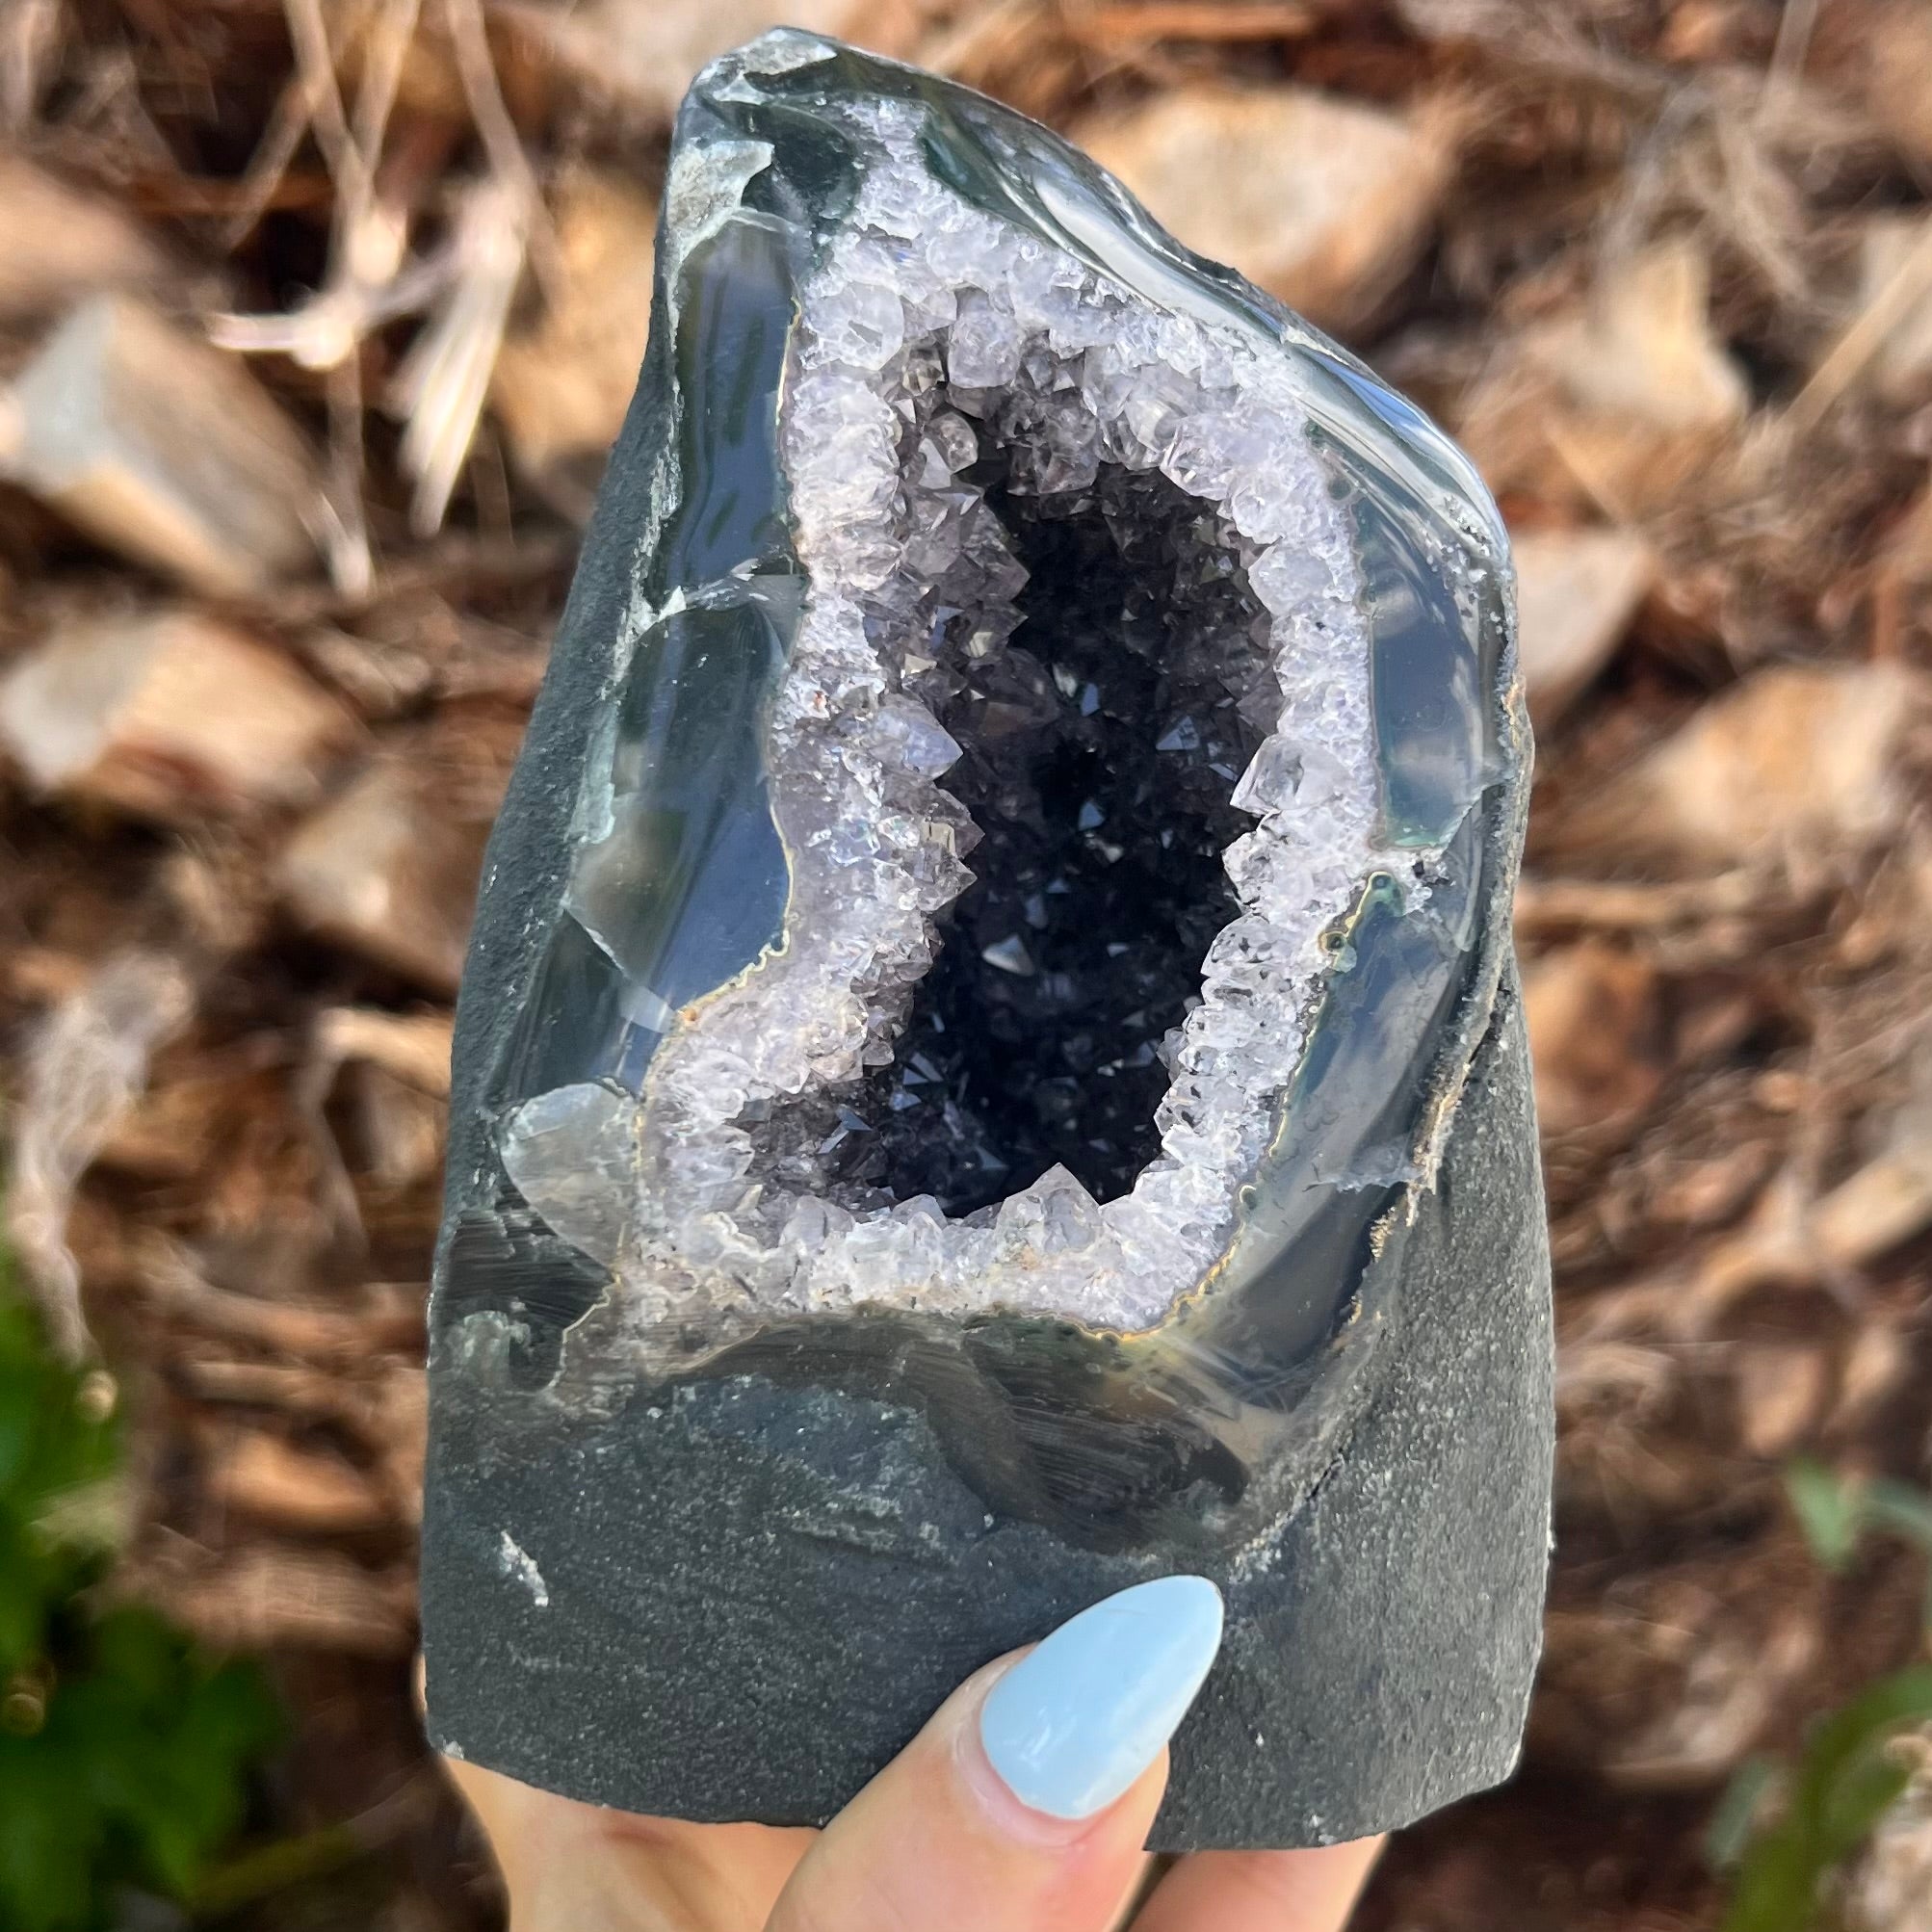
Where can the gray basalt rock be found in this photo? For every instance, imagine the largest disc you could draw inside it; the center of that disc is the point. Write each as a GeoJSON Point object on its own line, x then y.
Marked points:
{"type": "Point", "coordinates": [989, 1067]}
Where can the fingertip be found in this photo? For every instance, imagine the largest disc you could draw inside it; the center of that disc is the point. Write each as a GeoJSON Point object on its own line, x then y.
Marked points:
{"type": "Point", "coordinates": [1083, 1717]}
{"type": "Point", "coordinates": [1026, 1801]}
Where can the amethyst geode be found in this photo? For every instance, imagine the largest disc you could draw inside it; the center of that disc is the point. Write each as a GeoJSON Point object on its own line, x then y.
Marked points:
{"type": "Point", "coordinates": [989, 1067]}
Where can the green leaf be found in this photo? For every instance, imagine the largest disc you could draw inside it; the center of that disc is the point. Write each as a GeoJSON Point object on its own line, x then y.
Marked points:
{"type": "Point", "coordinates": [50, 1840]}
{"type": "Point", "coordinates": [25, 1598]}
{"type": "Point", "coordinates": [16, 1429]}
{"type": "Point", "coordinates": [51, 1442]}
{"type": "Point", "coordinates": [137, 1771]}
{"type": "Point", "coordinates": [183, 1732]}
{"type": "Point", "coordinates": [1735, 1817]}
{"type": "Point", "coordinates": [1776, 1890]}
{"type": "Point", "coordinates": [1901, 1508]}
{"type": "Point", "coordinates": [1846, 1780]}
{"type": "Point", "coordinates": [1840, 1771]}
{"type": "Point", "coordinates": [1830, 1509]}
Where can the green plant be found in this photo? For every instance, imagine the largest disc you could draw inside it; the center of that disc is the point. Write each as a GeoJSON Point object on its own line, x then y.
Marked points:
{"type": "Point", "coordinates": [123, 1748]}
{"type": "Point", "coordinates": [1837, 1512]}
{"type": "Point", "coordinates": [1783, 1827]}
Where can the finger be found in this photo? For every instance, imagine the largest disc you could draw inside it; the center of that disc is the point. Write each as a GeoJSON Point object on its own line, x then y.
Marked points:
{"type": "Point", "coordinates": [572, 1867]}
{"type": "Point", "coordinates": [1262, 1891]}
{"type": "Point", "coordinates": [1025, 1803]}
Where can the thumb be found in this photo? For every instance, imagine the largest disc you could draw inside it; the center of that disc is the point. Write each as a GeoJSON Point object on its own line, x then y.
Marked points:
{"type": "Point", "coordinates": [1025, 1803]}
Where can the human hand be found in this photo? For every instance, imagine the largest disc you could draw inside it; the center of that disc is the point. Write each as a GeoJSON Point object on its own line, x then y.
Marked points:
{"type": "Point", "coordinates": [1022, 1807]}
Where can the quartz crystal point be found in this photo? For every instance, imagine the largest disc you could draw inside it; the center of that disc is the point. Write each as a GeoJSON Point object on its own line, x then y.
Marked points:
{"type": "Point", "coordinates": [989, 1067]}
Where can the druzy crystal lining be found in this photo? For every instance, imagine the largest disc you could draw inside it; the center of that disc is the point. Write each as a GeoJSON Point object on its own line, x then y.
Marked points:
{"type": "Point", "coordinates": [937, 342]}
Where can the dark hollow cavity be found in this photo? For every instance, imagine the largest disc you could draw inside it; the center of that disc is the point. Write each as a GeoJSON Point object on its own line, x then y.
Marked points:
{"type": "Point", "coordinates": [1101, 746]}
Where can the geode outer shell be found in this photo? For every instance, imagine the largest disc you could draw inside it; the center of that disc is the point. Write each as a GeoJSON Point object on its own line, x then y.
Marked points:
{"type": "Point", "coordinates": [989, 1067]}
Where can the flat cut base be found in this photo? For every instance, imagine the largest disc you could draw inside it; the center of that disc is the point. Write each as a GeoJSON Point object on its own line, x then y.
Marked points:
{"type": "Point", "coordinates": [1378, 1658]}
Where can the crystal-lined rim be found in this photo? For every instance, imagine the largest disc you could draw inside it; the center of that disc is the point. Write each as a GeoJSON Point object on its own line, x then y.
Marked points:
{"type": "Point", "coordinates": [873, 448]}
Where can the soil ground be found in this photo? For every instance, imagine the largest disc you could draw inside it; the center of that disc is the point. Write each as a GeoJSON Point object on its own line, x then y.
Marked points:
{"type": "Point", "coordinates": [1666, 265]}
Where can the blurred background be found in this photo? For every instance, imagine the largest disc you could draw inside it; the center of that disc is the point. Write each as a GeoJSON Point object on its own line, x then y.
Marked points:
{"type": "Point", "coordinates": [315, 318]}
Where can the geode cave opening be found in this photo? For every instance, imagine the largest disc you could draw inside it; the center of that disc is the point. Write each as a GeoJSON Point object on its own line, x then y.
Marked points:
{"type": "Point", "coordinates": [1105, 719]}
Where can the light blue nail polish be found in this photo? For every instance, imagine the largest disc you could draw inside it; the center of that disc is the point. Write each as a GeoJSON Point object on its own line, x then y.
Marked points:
{"type": "Point", "coordinates": [1076, 1721]}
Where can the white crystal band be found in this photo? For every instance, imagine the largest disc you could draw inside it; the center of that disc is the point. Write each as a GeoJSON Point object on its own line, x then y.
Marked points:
{"type": "Point", "coordinates": [924, 324]}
